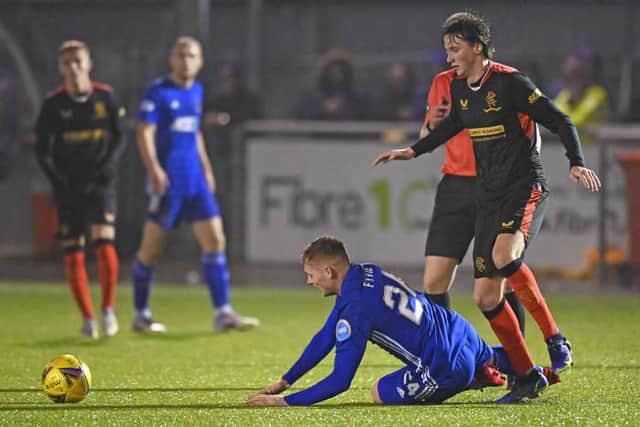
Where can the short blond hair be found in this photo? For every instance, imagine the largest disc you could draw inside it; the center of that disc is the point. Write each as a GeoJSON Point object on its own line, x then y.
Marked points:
{"type": "Point", "coordinates": [187, 41]}
{"type": "Point", "coordinates": [72, 46]}
{"type": "Point", "coordinates": [325, 247]}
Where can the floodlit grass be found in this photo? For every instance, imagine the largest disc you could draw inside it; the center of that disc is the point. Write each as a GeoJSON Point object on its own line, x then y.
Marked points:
{"type": "Point", "coordinates": [192, 376]}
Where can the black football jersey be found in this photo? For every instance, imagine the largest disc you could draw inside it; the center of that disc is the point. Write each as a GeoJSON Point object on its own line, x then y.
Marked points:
{"type": "Point", "coordinates": [501, 115]}
{"type": "Point", "coordinates": [77, 139]}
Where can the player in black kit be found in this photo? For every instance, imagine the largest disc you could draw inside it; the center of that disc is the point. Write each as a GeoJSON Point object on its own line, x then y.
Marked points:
{"type": "Point", "coordinates": [78, 139]}
{"type": "Point", "coordinates": [498, 105]}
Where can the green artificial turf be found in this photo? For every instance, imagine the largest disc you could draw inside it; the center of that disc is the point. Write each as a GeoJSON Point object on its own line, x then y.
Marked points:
{"type": "Point", "coordinates": [193, 376]}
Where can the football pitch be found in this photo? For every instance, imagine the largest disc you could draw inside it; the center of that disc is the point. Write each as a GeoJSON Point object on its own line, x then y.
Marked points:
{"type": "Point", "coordinates": [193, 376]}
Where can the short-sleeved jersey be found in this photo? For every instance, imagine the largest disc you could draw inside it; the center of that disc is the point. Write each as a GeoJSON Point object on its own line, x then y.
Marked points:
{"type": "Point", "coordinates": [375, 306]}
{"type": "Point", "coordinates": [500, 115]}
{"type": "Point", "coordinates": [176, 112]}
{"type": "Point", "coordinates": [458, 156]}
{"type": "Point", "coordinates": [76, 137]}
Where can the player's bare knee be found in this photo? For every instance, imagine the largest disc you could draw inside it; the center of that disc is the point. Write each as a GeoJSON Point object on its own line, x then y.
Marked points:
{"type": "Point", "coordinates": [487, 295]}
{"type": "Point", "coordinates": [501, 258]}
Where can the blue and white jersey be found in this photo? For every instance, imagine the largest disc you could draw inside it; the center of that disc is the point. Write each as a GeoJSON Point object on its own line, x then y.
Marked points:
{"type": "Point", "coordinates": [378, 307]}
{"type": "Point", "coordinates": [176, 112]}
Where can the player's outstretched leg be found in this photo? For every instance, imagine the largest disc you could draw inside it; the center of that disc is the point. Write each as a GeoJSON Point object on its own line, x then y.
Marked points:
{"type": "Point", "coordinates": [524, 283]}
{"type": "Point", "coordinates": [216, 274]}
{"type": "Point", "coordinates": [210, 235]}
{"type": "Point", "coordinates": [76, 274]}
{"type": "Point", "coordinates": [108, 267]}
{"type": "Point", "coordinates": [153, 237]}
{"type": "Point", "coordinates": [142, 281]}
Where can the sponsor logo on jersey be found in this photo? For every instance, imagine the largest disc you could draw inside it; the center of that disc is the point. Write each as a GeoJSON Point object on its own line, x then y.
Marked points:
{"type": "Point", "coordinates": [487, 131]}
{"type": "Point", "coordinates": [535, 95]}
{"type": "Point", "coordinates": [464, 103]}
{"type": "Point", "coordinates": [147, 106]}
{"type": "Point", "coordinates": [99, 110]}
{"type": "Point", "coordinates": [185, 124]}
{"type": "Point", "coordinates": [492, 102]}
{"type": "Point", "coordinates": [84, 135]}
{"type": "Point", "coordinates": [343, 330]}
{"type": "Point", "coordinates": [481, 265]}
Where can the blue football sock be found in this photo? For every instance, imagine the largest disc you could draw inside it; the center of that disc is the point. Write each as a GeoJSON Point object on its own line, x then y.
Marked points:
{"type": "Point", "coordinates": [142, 279]}
{"type": "Point", "coordinates": [216, 275]}
{"type": "Point", "coordinates": [501, 360]}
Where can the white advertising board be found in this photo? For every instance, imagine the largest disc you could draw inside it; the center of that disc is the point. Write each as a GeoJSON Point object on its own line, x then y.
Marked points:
{"type": "Point", "coordinates": [300, 189]}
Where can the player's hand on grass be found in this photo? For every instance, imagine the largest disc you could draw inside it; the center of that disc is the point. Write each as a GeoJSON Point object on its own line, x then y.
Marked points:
{"type": "Point", "coordinates": [267, 400]}
{"type": "Point", "coordinates": [398, 154]}
{"type": "Point", "coordinates": [587, 177]}
{"type": "Point", "coordinates": [159, 180]}
{"type": "Point", "coordinates": [275, 388]}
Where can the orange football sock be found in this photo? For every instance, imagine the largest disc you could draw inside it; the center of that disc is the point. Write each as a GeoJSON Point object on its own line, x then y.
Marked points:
{"type": "Point", "coordinates": [504, 323]}
{"type": "Point", "coordinates": [524, 284]}
{"type": "Point", "coordinates": [108, 267]}
{"type": "Point", "coordinates": [76, 274]}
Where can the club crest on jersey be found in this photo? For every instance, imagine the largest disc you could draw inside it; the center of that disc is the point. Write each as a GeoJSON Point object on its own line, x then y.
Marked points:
{"type": "Point", "coordinates": [492, 102]}
{"type": "Point", "coordinates": [481, 265]}
{"type": "Point", "coordinates": [99, 110]}
{"type": "Point", "coordinates": [464, 104]}
{"type": "Point", "coordinates": [343, 330]}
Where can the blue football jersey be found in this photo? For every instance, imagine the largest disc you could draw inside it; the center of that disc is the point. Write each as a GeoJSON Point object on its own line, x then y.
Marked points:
{"type": "Point", "coordinates": [176, 112]}
{"type": "Point", "coordinates": [376, 306]}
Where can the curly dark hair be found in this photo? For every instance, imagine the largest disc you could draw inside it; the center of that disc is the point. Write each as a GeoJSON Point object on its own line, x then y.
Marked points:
{"type": "Point", "coordinates": [471, 27]}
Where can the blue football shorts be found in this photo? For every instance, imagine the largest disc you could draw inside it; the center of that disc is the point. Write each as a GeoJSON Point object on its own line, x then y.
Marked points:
{"type": "Point", "coordinates": [170, 209]}
{"type": "Point", "coordinates": [435, 384]}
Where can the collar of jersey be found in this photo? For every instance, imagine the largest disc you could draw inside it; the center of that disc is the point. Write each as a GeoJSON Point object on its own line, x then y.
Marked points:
{"type": "Point", "coordinates": [352, 280]}
{"type": "Point", "coordinates": [483, 79]}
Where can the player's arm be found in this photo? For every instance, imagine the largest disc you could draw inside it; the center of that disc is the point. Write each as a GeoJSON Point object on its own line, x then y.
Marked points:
{"type": "Point", "coordinates": [145, 135]}
{"type": "Point", "coordinates": [205, 163]}
{"type": "Point", "coordinates": [530, 100]}
{"type": "Point", "coordinates": [107, 165]}
{"type": "Point", "coordinates": [319, 346]}
{"type": "Point", "coordinates": [350, 348]}
{"type": "Point", "coordinates": [447, 129]}
{"type": "Point", "coordinates": [148, 117]}
{"type": "Point", "coordinates": [44, 132]}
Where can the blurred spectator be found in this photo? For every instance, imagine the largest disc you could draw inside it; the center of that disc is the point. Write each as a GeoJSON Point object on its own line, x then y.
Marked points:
{"type": "Point", "coordinates": [234, 102]}
{"type": "Point", "coordinates": [335, 96]}
{"type": "Point", "coordinates": [395, 102]}
{"type": "Point", "coordinates": [583, 98]}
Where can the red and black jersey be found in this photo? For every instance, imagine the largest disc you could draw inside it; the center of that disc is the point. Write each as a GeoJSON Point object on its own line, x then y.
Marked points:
{"type": "Point", "coordinates": [499, 115]}
{"type": "Point", "coordinates": [78, 139]}
{"type": "Point", "coordinates": [458, 157]}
